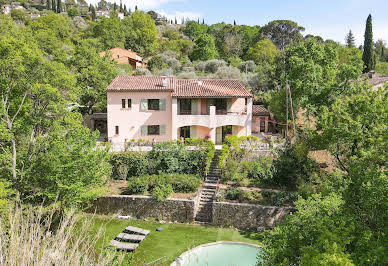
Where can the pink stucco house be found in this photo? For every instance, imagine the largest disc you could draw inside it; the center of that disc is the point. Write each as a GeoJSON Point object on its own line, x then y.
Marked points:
{"type": "Point", "coordinates": [166, 108]}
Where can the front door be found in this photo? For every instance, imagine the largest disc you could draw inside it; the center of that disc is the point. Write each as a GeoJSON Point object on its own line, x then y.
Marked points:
{"type": "Point", "coordinates": [226, 130]}
{"type": "Point", "coordinates": [185, 132]}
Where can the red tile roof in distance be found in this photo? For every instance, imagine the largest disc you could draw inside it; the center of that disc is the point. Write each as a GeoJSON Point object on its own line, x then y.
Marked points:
{"type": "Point", "coordinates": [182, 88]}
{"type": "Point", "coordinates": [259, 110]}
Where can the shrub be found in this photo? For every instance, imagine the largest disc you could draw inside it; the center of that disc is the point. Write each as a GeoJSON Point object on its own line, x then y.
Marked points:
{"type": "Point", "coordinates": [138, 185]}
{"type": "Point", "coordinates": [211, 66]}
{"type": "Point", "coordinates": [233, 194]}
{"type": "Point", "coordinates": [156, 62]}
{"type": "Point", "coordinates": [162, 192]}
{"type": "Point", "coordinates": [228, 72]}
{"type": "Point", "coordinates": [248, 66]}
{"type": "Point", "coordinates": [136, 164]}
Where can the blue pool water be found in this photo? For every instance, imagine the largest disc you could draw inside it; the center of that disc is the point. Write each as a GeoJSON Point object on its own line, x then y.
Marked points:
{"type": "Point", "coordinates": [222, 254]}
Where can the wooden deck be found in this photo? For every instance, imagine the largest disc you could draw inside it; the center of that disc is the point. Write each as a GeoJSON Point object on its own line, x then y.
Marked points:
{"type": "Point", "coordinates": [130, 237]}
{"type": "Point", "coordinates": [124, 246]}
{"type": "Point", "coordinates": [137, 230]}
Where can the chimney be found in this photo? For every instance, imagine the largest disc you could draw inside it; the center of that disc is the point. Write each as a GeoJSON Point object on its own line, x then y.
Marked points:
{"type": "Point", "coordinates": [165, 81]}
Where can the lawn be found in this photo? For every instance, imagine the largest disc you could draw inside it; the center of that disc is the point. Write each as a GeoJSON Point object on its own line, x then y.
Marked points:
{"type": "Point", "coordinates": [171, 242]}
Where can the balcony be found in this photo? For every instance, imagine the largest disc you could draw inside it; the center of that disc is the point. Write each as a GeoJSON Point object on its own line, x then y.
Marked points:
{"type": "Point", "coordinates": [214, 118]}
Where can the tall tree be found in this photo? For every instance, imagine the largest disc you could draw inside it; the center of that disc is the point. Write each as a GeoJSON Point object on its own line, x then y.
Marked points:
{"type": "Point", "coordinates": [114, 6]}
{"type": "Point", "coordinates": [59, 6]}
{"type": "Point", "coordinates": [204, 48]}
{"type": "Point", "coordinates": [121, 6]}
{"type": "Point", "coordinates": [140, 33]}
{"type": "Point", "coordinates": [234, 23]}
{"type": "Point", "coordinates": [53, 6]}
{"type": "Point", "coordinates": [350, 40]}
{"type": "Point", "coordinates": [282, 33]}
{"type": "Point", "coordinates": [368, 56]}
{"type": "Point", "coordinates": [48, 4]}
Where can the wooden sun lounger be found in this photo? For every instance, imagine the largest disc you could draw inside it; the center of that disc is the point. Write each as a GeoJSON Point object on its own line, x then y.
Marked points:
{"type": "Point", "coordinates": [137, 230]}
{"type": "Point", "coordinates": [123, 246]}
{"type": "Point", "coordinates": [130, 237]}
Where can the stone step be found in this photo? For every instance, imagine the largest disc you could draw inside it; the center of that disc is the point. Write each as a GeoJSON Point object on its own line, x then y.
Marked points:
{"type": "Point", "coordinates": [130, 237]}
{"type": "Point", "coordinates": [123, 246]}
{"type": "Point", "coordinates": [137, 230]}
{"type": "Point", "coordinates": [206, 184]}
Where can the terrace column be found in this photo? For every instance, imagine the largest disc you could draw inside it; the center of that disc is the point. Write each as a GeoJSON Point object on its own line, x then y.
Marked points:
{"type": "Point", "coordinates": [212, 125]}
{"type": "Point", "coordinates": [248, 125]}
{"type": "Point", "coordinates": [174, 111]}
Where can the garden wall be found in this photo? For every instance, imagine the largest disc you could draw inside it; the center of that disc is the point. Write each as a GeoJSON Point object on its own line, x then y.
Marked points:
{"type": "Point", "coordinates": [247, 216]}
{"type": "Point", "coordinates": [179, 210]}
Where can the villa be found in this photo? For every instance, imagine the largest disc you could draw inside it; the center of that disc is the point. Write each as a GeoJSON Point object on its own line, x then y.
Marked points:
{"type": "Point", "coordinates": [124, 56]}
{"type": "Point", "coordinates": [166, 108]}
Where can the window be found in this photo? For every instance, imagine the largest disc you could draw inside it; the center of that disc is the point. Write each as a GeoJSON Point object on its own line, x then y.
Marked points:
{"type": "Point", "coordinates": [185, 106]}
{"type": "Point", "coordinates": [117, 130]}
{"type": "Point", "coordinates": [262, 125]}
{"type": "Point", "coordinates": [153, 130]}
{"type": "Point", "coordinates": [129, 103]}
{"type": "Point", "coordinates": [118, 56]}
{"type": "Point", "coordinates": [153, 104]}
{"type": "Point", "coordinates": [185, 132]}
{"type": "Point", "coordinates": [122, 103]}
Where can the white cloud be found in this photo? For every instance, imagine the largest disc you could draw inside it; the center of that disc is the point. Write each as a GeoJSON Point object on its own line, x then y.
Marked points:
{"type": "Point", "coordinates": [141, 4]}
{"type": "Point", "coordinates": [179, 15]}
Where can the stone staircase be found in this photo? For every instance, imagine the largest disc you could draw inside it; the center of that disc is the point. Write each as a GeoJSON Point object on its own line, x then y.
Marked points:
{"type": "Point", "coordinates": [207, 195]}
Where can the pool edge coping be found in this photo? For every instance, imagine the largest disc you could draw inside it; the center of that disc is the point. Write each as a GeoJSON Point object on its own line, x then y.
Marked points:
{"type": "Point", "coordinates": [179, 259]}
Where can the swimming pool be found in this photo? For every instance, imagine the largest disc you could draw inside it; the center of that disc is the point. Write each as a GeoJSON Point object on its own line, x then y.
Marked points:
{"type": "Point", "coordinates": [220, 254]}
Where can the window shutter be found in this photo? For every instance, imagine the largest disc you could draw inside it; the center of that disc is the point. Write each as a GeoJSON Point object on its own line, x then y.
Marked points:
{"type": "Point", "coordinates": [194, 106]}
{"type": "Point", "coordinates": [229, 103]}
{"type": "Point", "coordinates": [162, 130]}
{"type": "Point", "coordinates": [234, 130]}
{"type": "Point", "coordinates": [144, 130]}
{"type": "Point", "coordinates": [193, 131]}
{"type": "Point", "coordinates": [143, 105]}
{"type": "Point", "coordinates": [162, 104]}
{"type": "Point", "coordinates": [218, 135]}
{"type": "Point", "coordinates": [178, 103]}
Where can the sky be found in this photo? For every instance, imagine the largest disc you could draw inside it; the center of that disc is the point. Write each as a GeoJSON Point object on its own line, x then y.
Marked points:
{"type": "Point", "coordinates": [330, 19]}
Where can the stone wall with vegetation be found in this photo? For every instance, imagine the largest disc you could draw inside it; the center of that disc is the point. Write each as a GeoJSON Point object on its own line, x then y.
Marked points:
{"type": "Point", "coordinates": [179, 210]}
{"type": "Point", "coordinates": [248, 216]}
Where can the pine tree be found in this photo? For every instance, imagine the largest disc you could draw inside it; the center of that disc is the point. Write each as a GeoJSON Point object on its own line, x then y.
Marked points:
{"type": "Point", "coordinates": [53, 6]}
{"type": "Point", "coordinates": [350, 40]}
{"type": "Point", "coordinates": [367, 56]}
{"type": "Point", "coordinates": [59, 6]}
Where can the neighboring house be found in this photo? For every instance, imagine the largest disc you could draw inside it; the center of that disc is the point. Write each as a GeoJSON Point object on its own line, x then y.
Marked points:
{"type": "Point", "coordinates": [260, 119]}
{"type": "Point", "coordinates": [161, 108]}
{"type": "Point", "coordinates": [106, 14]}
{"type": "Point", "coordinates": [123, 56]}
{"type": "Point", "coordinates": [7, 9]}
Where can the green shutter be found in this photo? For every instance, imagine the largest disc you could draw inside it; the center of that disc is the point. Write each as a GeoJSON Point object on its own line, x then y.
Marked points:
{"type": "Point", "coordinates": [193, 131]}
{"type": "Point", "coordinates": [143, 105]}
{"type": "Point", "coordinates": [162, 130]}
{"type": "Point", "coordinates": [229, 103]}
{"type": "Point", "coordinates": [178, 102]}
{"type": "Point", "coordinates": [144, 130]}
{"type": "Point", "coordinates": [234, 130]}
{"type": "Point", "coordinates": [162, 104]}
{"type": "Point", "coordinates": [194, 106]}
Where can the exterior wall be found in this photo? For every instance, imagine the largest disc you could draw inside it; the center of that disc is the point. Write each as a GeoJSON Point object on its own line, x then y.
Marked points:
{"type": "Point", "coordinates": [248, 216]}
{"type": "Point", "coordinates": [256, 123]}
{"type": "Point", "coordinates": [173, 210]}
{"type": "Point", "coordinates": [238, 105]}
{"type": "Point", "coordinates": [131, 120]}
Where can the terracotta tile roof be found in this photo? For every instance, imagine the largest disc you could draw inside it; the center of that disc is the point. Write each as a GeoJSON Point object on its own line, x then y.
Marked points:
{"type": "Point", "coordinates": [182, 88]}
{"type": "Point", "coordinates": [260, 110]}
{"type": "Point", "coordinates": [140, 83]}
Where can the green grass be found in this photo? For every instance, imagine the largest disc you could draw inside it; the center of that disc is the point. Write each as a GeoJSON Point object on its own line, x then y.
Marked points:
{"type": "Point", "coordinates": [171, 242]}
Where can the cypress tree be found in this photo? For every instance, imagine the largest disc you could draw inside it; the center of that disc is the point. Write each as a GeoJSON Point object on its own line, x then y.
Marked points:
{"type": "Point", "coordinates": [367, 56]}
{"type": "Point", "coordinates": [203, 21]}
{"type": "Point", "coordinates": [176, 21]}
{"type": "Point", "coordinates": [53, 6]}
{"type": "Point", "coordinates": [350, 40]}
{"type": "Point", "coordinates": [93, 10]}
{"type": "Point", "coordinates": [48, 5]}
{"type": "Point", "coordinates": [135, 8]}
{"type": "Point", "coordinates": [59, 6]}
{"type": "Point", "coordinates": [234, 22]}
{"type": "Point", "coordinates": [121, 6]}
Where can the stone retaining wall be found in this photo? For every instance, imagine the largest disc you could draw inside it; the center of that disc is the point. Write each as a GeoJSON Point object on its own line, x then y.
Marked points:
{"type": "Point", "coordinates": [247, 216]}
{"type": "Point", "coordinates": [174, 210]}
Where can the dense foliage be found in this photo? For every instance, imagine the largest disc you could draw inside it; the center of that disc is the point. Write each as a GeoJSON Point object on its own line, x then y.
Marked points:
{"type": "Point", "coordinates": [163, 185]}
{"type": "Point", "coordinates": [168, 157]}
